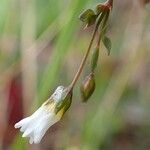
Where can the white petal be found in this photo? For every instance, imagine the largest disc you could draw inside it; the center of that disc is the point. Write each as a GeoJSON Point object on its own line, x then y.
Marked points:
{"type": "Point", "coordinates": [31, 140]}
{"type": "Point", "coordinates": [24, 127]}
{"type": "Point", "coordinates": [22, 122]}
{"type": "Point", "coordinates": [27, 133]}
{"type": "Point", "coordinates": [37, 139]}
{"type": "Point", "coordinates": [37, 124]}
{"type": "Point", "coordinates": [43, 124]}
{"type": "Point", "coordinates": [38, 113]}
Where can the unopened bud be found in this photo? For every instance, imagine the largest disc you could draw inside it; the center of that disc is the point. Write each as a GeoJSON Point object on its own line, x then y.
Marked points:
{"type": "Point", "coordinates": [87, 87]}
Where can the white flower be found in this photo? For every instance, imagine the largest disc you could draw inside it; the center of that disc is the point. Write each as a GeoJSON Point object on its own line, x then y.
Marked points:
{"type": "Point", "coordinates": [38, 123]}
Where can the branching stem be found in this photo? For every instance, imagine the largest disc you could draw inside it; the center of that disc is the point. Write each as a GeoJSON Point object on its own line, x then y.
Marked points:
{"type": "Point", "coordinates": [85, 57]}
{"type": "Point", "coordinates": [75, 79]}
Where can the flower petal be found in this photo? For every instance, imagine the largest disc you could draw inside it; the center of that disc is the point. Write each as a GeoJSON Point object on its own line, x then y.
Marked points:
{"type": "Point", "coordinates": [31, 140]}
{"type": "Point", "coordinates": [36, 125]}
{"type": "Point", "coordinates": [22, 122]}
{"type": "Point", "coordinates": [27, 133]}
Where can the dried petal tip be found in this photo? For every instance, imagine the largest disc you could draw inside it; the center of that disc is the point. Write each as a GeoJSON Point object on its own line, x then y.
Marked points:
{"type": "Point", "coordinates": [36, 125]}
{"type": "Point", "coordinates": [87, 87]}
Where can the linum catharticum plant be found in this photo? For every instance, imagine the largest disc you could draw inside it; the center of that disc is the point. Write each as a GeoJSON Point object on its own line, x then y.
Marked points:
{"type": "Point", "coordinates": [55, 107]}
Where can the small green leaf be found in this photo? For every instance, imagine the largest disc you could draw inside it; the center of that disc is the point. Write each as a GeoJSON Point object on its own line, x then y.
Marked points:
{"type": "Point", "coordinates": [107, 43]}
{"type": "Point", "coordinates": [94, 59]}
{"type": "Point", "coordinates": [88, 17]}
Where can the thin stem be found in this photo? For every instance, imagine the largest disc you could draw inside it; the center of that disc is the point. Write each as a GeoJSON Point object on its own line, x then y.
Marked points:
{"type": "Point", "coordinates": [85, 56]}
{"type": "Point", "coordinates": [83, 61]}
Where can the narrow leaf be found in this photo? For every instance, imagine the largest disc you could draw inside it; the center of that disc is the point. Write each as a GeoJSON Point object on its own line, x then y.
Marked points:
{"type": "Point", "coordinates": [107, 43]}
{"type": "Point", "coordinates": [94, 58]}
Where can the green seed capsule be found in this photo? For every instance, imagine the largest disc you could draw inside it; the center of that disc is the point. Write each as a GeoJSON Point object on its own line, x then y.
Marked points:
{"type": "Point", "coordinates": [87, 87]}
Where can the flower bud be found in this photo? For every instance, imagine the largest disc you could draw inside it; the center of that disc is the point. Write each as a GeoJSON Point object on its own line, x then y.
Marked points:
{"type": "Point", "coordinates": [87, 87]}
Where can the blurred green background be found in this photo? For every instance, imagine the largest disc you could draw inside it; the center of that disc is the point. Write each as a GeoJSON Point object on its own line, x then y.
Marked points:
{"type": "Point", "coordinates": [42, 43]}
